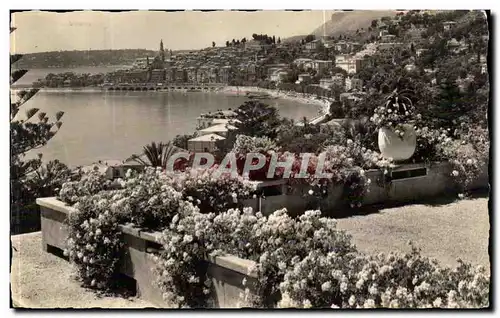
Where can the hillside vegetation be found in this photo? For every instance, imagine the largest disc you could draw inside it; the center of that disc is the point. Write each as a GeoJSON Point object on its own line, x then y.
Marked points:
{"type": "Point", "coordinates": [349, 21]}
{"type": "Point", "coordinates": [81, 58]}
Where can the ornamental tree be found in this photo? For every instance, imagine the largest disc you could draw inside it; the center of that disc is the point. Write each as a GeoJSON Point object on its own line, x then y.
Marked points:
{"type": "Point", "coordinates": [30, 178]}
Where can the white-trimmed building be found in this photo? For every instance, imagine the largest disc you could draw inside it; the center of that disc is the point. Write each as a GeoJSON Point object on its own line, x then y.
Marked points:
{"type": "Point", "coordinates": [205, 143]}
{"type": "Point", "coordinates": [220, 129]}
{"type": "Point", "coordinates": [447, 25]}
{"type": "Point", "coordinates": [352, 83]}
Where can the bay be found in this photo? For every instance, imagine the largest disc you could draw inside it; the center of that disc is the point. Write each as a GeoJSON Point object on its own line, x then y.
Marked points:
{"type": "Point", "coordinates": [114, 125]}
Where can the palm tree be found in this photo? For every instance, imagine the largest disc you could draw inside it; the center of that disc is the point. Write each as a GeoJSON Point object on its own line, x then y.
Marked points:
{"type": "Point", "coordinates": [156, 154]}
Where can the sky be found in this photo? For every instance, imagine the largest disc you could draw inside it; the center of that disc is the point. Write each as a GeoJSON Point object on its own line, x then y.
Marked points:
{"type": "Point", "coordinates": [82, 30]}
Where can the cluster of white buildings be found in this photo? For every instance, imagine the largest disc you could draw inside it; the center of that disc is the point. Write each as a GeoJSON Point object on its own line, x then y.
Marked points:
{"type": "Point", "coordinates": [212, 128]}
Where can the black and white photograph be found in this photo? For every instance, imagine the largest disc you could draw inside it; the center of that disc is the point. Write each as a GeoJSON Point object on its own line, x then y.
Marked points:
{"type": "Point", "coordinates": [255, 159]}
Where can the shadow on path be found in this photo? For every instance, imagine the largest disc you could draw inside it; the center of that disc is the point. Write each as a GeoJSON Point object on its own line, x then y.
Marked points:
{"type": "Point", "coordinates": [433, 202]}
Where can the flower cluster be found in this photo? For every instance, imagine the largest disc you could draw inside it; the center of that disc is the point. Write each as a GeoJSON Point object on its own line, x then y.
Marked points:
{"type": "Point", "coordinates": [347, 164]}
{"type": "Point", "coordinates": [397, 112]}
{"type": "Point", "coordinates": [466, 162]}
{"type": "Point", "coordinates": [355, 280]}
{"type": "Point", "coordinates": [90, 183]}
{"type": "Point", "coordinates": [211, 191]}
{"type": "Point", "coordinates": [94, 240]}
{"type": "Point", "coordinates": [148, 200]}
{"type": "Point", "coordinates": [246, 144]}
{"type": "Point", "coordinates": [306, 262]}
{"type": "Point", "coordinates": [181, 274]}
{"type": "Point", "coordinates": [466, 149]}
{"type": "Point", "coordinates": [275, 243]}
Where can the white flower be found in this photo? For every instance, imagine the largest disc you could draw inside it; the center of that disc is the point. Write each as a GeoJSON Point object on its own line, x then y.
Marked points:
{"type": "Point", "coordinates": [343, 287]}
{"type": "Point", "coordinates": [188, 238]}
{"type": "Point", "coordinates": [469, 161]}
{"type": "Point", "coordinates": [175, 218]}
{"type": "Point", "coordinates": [106, 240]}
{"type": "Point", "coordinates": [360, 283]}
{"type": "Point", "coordinates": [454, 173]}
{"type": "Point", "coordinates": [352, 300]}
{"type": "Point", "coordinates": [333, 306]}
{"type": "Point", "coordinates": [373, 290]}
{"type": "Point", "coordinates": [369, 303]}
{"type": "Point", "coordinates": [461, 285]}
{"type": "Point", "coordinates": [98, 232]}
{"type": "Point", "coordinates": [93, 282]}
{"type": "Point", "coordinates": [80, 254]}
{"type": "Point", "coordinates": [306, 303]}
{"type": "Point", "coordinates": [282, 265]}
{"type": "Point", "coordinates": [128, 174]}
{"type": "Point", "coordinates": [437, 303]}
{"type": "Point", "coordinates": [311, 192]}
{"type": "Point", "coordinates": [326, 286]}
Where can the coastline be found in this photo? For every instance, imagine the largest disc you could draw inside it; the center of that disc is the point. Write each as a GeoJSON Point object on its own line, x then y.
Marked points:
{"type": "Point", "coordinates": [307, 99]}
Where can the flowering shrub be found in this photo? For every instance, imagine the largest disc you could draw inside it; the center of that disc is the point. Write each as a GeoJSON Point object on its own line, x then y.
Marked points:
{"type": "Point", "coordinates": [246, 144]}
{"type": "Point", "coordinates": [180, 268]}
{"type": "Point", "coordinates": [147, 199]}
{"type": "Point", "coordinates": [90, 183]}
{"type": "Point", "coordinates": [428, 141]}
{"type": "Point", "coordinates": [392, 281]}
{"type": "Point", "coordinates": [94, 240]}
{"type": "Point", "coordinates": [306, 262]}
{"type": "Point", "coordinates": [466, 149]}
{"type": "Point", "coordinates": [209, 191]}
{"type": "Point", "coordinates": [466, 163]}
{"type": "Point", "coordinates": [346, 163]}
{"type": "Point", "coordinates": [275, 243]}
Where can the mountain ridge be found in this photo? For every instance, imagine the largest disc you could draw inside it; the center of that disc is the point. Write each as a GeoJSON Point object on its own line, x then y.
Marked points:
{"type": "Point", "coordinates": [343, 22]}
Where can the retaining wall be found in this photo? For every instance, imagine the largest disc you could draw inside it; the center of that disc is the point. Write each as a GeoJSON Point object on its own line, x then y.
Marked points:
{"type": "Point", "coordinates": [225, 272]}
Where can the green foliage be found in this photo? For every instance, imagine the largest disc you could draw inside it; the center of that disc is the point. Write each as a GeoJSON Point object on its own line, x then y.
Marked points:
{"type": "Point", "coordinates": [81, 58]}
{"type": "Point", "coordinates": [95, 241]}
{"type": "Point", "coordinates": [245, 144]}
{"type": "Point", "coordinates": [395, 280]}
{"type": "Point", "coordinates": [257, 119]}
{"type": "Point", "coordinates": [30, 179]}
{"type": "Point", "coordinates": [88, 184]}
{"type": "Point", "coordinates": [181, 141]}
{"type": "Point", "coordinates": [302, 138]}
{"type": "Point", "coordinates": [156, 154]}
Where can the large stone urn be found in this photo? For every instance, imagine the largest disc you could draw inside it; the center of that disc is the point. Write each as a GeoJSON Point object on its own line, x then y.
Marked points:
{"type": "Point", "coordinates": [393, 146]}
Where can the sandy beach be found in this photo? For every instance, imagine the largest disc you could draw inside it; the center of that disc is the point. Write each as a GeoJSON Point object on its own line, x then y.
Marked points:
{"type": "Point", "coordinates": [310, 99]}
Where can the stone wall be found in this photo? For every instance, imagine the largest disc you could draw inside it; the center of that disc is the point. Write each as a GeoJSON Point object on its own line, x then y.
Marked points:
{"type": "Point", "coordinates": [402, 184]}
{"type": "Point", "coordinates": [226, 272]}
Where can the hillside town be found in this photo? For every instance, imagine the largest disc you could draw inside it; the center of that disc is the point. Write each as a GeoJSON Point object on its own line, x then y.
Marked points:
{"type": "Point", "coordinates": [324, 66]}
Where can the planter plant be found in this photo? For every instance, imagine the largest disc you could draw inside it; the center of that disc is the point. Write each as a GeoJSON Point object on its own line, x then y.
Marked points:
{"type": "Point", "coordinates": [395, 121]}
